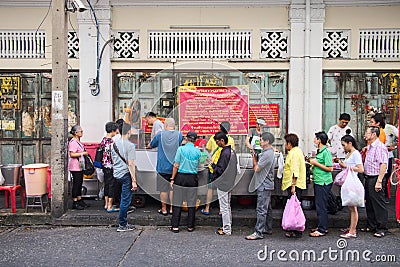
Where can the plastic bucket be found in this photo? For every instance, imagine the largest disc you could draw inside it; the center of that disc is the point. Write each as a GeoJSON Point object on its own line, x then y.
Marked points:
{"type": "Point", "coordinates": [35, 179]}
{"type": "Point", "coordinates": [11, 173]}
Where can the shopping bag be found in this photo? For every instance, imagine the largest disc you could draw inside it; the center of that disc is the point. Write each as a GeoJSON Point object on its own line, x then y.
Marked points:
{"type": "Point", "coordinates": [293, 218]}
{"type": "Point", "coordinates": [341, 177]}
{"type": "Point", "coordinates": [352, 191]}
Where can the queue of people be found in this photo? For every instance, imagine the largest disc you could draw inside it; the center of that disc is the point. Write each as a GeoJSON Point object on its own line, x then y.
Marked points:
{"type": "Point", "coordinates": [177, 173]}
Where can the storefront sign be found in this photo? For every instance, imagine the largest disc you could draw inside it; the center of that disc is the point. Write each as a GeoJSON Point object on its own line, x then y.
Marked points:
{"type": "Point", "coordinates": [8, 125]}
{"type": "Point", "coordinates": [147, 128]}
{"type": "Point", "coordinates": [10, 92]}
{"type": "Point", "coordinates": [203, 108]}
{"type": "Point", "coordinates": [270, 113]}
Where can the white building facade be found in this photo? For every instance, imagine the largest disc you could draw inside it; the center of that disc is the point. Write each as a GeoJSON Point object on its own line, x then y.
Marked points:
{"type": "Point", "coordinates": [314, 58]}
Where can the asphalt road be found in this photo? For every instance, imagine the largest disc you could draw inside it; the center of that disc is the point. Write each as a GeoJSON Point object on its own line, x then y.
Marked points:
{"type": "Point", "coordinates": [157, 246]}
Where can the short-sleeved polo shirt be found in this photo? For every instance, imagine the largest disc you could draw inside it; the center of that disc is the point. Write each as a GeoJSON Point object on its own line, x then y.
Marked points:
{"type": "Point", "coordinates": [320, 176]}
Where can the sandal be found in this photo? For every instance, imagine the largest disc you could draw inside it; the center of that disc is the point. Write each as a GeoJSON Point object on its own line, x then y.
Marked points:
{"type": "Point", "coordinates": [114, 209]}
{"type": "Point", "coordinates": [379, 234]}
{"type": "Point", "coordinates": [205, 212]}
{"type": "Point", "coordinates": [174, 230]}
{"type": "Point", "coordinates": [366, 230]}
{"type": "Point", "coordinates": [317, 234]}
{"type": "Point", "coordinates": [162, 213]}
{"type": "Point", "coordinates": [316, 229]}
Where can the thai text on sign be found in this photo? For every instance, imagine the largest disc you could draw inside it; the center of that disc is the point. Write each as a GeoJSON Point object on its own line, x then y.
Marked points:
{"type": "Point", "coordinates": [270, 113]}
{"type": "Point", "coordinates": [203, 108]}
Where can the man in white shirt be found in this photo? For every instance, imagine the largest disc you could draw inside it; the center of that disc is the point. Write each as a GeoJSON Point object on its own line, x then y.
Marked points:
{"type": "Point", "coordinates": [392, 135]}
{"type": "Point", "coordinates": [335, 134]}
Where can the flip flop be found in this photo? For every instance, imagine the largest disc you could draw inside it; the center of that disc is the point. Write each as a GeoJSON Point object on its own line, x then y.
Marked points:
{"type": "Point", "coordinates": [317, 234]}
{"type": "Point", "coordinates": [205, 212]}
{"type": "Point", "coordinates": [367, 230]}
{"type": "Point", "coordinates": [162, 213]}
{"type": "Point", "coordinates": [113, 210]}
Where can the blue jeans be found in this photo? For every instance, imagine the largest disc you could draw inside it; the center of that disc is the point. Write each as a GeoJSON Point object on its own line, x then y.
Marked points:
{"type": "Point", "coordinates": [126, 197]}
{"type": "Point", "coordinates": [321, 193]}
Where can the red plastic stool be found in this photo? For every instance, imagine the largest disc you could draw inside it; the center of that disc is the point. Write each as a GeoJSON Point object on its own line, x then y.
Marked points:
{"type": "Point", "coordinates": [11, 190]}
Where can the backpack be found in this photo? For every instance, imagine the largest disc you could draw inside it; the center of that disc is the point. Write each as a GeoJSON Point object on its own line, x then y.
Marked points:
{"type": "Point", "coordinates": [98, 158]}
{"type": "Point", "coordinates": [333, 204]}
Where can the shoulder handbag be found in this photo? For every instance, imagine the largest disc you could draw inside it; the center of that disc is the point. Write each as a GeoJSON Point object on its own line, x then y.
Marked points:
{"type": "Point", "coordinates": [119, 154]}
{"type": "Point", "coordinates": [88, 169]}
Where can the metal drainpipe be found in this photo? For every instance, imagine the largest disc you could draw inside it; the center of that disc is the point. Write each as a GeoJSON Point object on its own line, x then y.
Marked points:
{"type": "Point", "coordinates": [307, 76]}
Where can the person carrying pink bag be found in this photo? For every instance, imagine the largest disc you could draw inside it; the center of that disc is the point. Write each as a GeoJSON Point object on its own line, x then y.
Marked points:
{"type": "Point", "coordinates": [293, 219]}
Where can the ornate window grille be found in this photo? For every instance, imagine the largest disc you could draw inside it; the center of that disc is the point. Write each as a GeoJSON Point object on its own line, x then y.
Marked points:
{"type": "Point", "coordinates": [22, 44]}
{"type": "Point", "coordinates": [126, 44]}
{"type": "Point", "coordinates": [274, 44]}
{"type": "Point", "coordinates": [73, 44]}
{"type": "Point", "coordinates": [199, 44]}
{"type": "Point", "coordinates": [336, 44]}
{"type": "Point", "coordinates": [379, 43]}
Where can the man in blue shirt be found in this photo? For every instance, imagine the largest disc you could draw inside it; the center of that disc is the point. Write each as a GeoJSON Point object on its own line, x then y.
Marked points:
{"type": "Point", "coordinates": [184, 182]}
{"type": "Point", "coordinates": [167, 141]}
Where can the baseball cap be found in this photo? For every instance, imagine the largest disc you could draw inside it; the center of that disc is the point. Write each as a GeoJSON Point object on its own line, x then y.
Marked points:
{"type": "Point", "coordinates": [191, 135]}
{"type": "Point", "coordinates": [261, 121]}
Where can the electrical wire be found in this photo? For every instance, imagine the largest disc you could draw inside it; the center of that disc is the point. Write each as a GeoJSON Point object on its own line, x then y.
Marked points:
{"type": "Point", "coordinates": [96, 91]}
{"type": "Point", "coordinates": [47, 13]}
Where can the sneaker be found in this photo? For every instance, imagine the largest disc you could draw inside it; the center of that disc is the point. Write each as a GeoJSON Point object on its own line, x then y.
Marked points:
{"type": "Point", "coordinates": [348, 235]}
{"type": "Point", "coordinates": [219, 231]}
{"type": "Point", "coordinates": [254, 236]}
{"type": "Point", "coordinates": [131, 209]}
{"type": "Point", "coordinates": [76, 206]}
{"type": "Point", "coordinates": [126, 228]}
{"type": "Point", "coordinates": [83, 203]}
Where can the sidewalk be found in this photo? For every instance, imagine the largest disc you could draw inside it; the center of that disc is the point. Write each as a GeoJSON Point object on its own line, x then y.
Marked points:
{"type": "Point", "coordinates": [243, 215]}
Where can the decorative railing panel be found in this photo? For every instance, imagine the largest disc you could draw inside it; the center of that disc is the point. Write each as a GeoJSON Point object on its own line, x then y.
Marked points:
{"type": "Point", "coordinates": [73, 44]}
{"type": "Point", "coordinates": [336, 44]}
{"type": "Point", "coordinates": [379, 43]}
{"type": "Point", "coordinates": [22, 44]}
{"type": "Point", "coordinates": [126, 44]}
{"type": "Point", "coordinates": [274, 44]}
{"type": "Point", "coordinates": [199, 44]}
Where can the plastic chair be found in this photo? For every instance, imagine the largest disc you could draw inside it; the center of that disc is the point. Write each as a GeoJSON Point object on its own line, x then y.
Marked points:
{"type": "Point", "coordinates": [11, 191]}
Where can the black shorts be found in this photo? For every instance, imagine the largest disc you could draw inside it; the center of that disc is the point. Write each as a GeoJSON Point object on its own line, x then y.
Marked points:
{"type": "Point", "coordinates": [163, 182]}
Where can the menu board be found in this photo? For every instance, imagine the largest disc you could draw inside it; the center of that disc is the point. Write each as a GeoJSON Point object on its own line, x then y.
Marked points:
{"type": "Point", "coordinates": [10, 92]}
{"type": "Point", "coordinates": [203, 108]}
{"type": "Point", "coordinates": [270, 113]}
{"type": "Point", "coordinates": [146, 127]}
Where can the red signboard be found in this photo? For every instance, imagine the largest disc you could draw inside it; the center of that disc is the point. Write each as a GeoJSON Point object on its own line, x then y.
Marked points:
{"type": "Point", "coordinates": [270, 113]}
{"type": "Point", "coordinates": [147, 128]}
{"type": "Point", "coordinates": [203, 108]}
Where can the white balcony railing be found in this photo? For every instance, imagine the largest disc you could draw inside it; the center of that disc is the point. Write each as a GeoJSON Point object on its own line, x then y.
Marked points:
{"type": "Point", "coordinates": [199, 44]}
{"type": "Point", "coordinates": [22, 44]}
{"type": "Point", "coordinates": [379, 43]}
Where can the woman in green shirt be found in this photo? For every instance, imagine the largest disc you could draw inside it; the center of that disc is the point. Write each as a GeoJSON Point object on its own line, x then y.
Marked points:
{"type": "Point", "coordinates": [322, 175]}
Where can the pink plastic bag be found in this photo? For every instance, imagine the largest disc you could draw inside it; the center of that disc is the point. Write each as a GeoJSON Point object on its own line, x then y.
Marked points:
{"type": "Point", "coordinates": [293, 218]}
{"type": "Point", "coordinates": [341, 177]}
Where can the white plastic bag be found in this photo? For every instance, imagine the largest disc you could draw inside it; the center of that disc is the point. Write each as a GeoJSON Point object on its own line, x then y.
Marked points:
{"type": "Point", "coordinates": [100, 175]}
{"type": "Point", "coordinates": [352, 191]}
{"type": "Point", "coordinates": [2, 180]}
